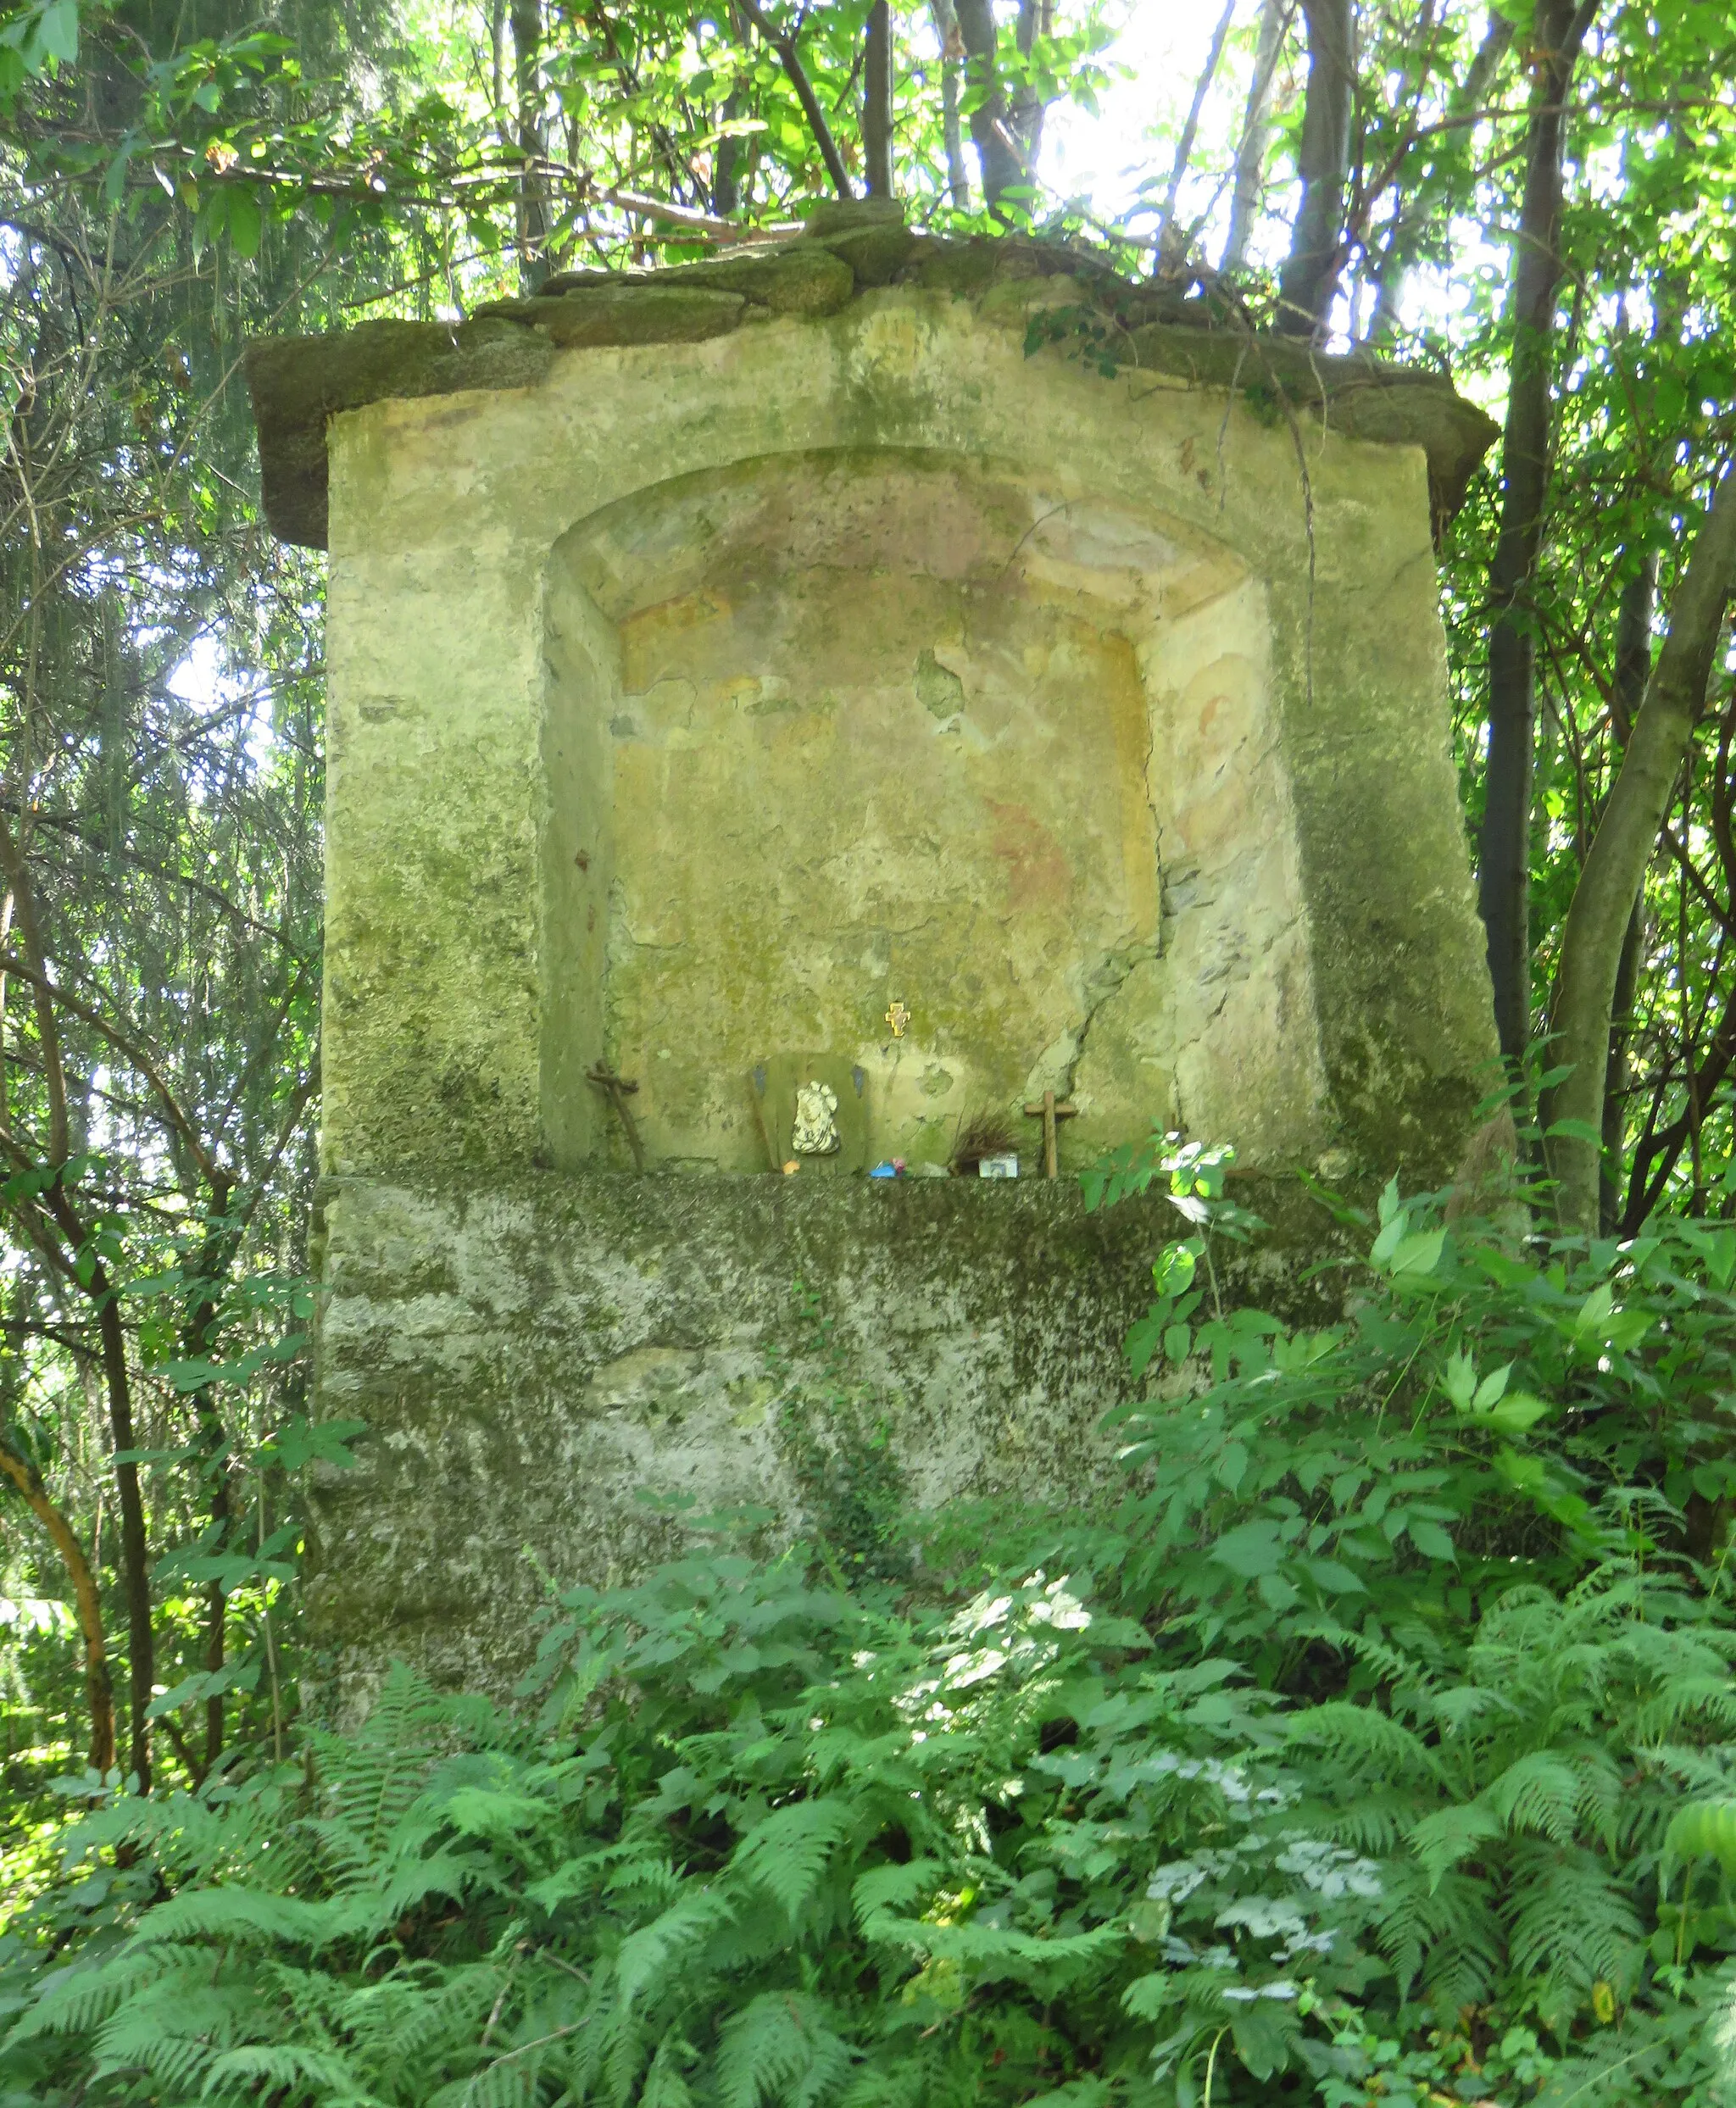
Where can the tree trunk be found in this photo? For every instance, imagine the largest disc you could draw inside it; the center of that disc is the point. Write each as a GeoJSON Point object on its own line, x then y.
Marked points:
{"type": "Point", "coordinates": [1006, 135]}
{"type": "Point", "coordinates": [726, 164]}
{"type": "Point", "coordinates": [1275, 17]}
{"type": "Point", "coordinates": [135, 1566]}
{"type": "Point", "coordinates": [1310, 273]}
{"type": "Point", "coordinates": [1614, 1124]}
{"type": "Point", "coordinates": [532, 208]}
{"type": "Point", "coordinates": [876, 101]}
{"type": "Point", "coordinates": [952, 52]}
{"type": "Point", "coordinates": [1504, 845]}
{"type": "Point", "coordinates": [198, 1339]}
{"type": "Point", "coordinates": [99, 1695]}
{"type": "Point", "coordinates": [1173, 241]}
{"type": "Point", "coordinates": [1632, 670]}
{"type": "Point", "coordinates": [1603, 900]}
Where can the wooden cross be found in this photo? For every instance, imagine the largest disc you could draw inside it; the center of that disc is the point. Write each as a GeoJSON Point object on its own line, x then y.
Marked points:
{"type": "Point", "coordinates": [617, 1090]}
{"type": "Point", "coordinates": [1051, 1113]}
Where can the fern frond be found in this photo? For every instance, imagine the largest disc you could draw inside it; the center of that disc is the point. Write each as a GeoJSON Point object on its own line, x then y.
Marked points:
{"type": "Point", "coordinates": [240, 1914]}
{"type": "Point", "coordinates": [646, 1955]}
{"type": "Point", "coordinates": [1441, 1929]}
{"type": "Point", "coordinates": [1538, 1793]}
{"type": "Point", "coordinates": [1364, 1740]}
{"type": "Point", "coordinates": [787, 1852]}
{"type": "Point", "coordinates": [1569, 1921]}
{"type": "Point", "coordinates": [892, 1888]}
{"type": "Point", "coordinates": [77, 1999]}
{"type": "Point", "coordinates": [782, 2048]}
{"type": "Point", "coordinates": [1442, 1839]}
{"type": "Point", "coordinates": [261, 2065]}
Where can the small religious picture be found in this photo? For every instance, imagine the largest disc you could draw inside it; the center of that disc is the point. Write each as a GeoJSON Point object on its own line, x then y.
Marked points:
{"type": "Point", "coordinates": [816, 1131]}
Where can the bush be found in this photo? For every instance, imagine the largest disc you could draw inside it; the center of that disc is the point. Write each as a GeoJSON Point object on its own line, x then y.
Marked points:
{"type": "Point", "coordinates": [1378, 1749]}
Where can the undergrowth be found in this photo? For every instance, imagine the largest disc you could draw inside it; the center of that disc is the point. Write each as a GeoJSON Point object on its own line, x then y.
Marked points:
{"type": "Point", "coordinates": [1378, 1749]}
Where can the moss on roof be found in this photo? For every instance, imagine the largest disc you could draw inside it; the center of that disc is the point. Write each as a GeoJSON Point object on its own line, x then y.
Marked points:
{"type": "Point", "coordinates": [297, 382]}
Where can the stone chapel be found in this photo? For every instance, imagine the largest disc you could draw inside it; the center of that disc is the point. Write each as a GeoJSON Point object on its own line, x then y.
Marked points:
{"type": "Point", "coordinates": [785, 712]}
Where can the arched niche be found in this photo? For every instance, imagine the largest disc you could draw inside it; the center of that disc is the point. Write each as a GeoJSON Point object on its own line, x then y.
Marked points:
{"type": "Point", "coordinates": [827, 731]}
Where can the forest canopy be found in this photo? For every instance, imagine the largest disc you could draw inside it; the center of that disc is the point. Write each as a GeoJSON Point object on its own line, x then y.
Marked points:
{"type": "Point", "coordinates": [1537, 197]}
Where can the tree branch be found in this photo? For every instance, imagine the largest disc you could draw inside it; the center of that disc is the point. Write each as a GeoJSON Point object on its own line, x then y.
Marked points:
{"type": "Point", "coordinates": [790, 59]}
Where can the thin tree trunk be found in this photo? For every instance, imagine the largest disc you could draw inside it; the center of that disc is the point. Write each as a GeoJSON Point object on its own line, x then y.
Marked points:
{"type": "Point", "coordinates": [1632, 670]}
{"type": "Point", "coordinates": [726, 164]}
{"type": "Point", "coordinates": [135, 1566]}
{"type": "Point", "coordinates": [952, 53]}
{"type": "Point", "coordinates": [1603, 900]}
{"type": "Point", "coordinates": [532, 208]}
{"type": "Point", "coordinates": [1504, 845]}
{"type": "Point", "coordinates": [198, 1337]}
{"type": "Point", "coordinates": [99, 1695]}
{"type": "Point", "coordinates": [995, 130]}
{"type": "Point", "coordinates": [1172, 243]}
{"type": "Point", "coordinates": [1311, 272]}
{"type": "Point", "coordinates": [876, 101]}
{"type": "Point", "coordinates": [1035, 19]}
{"type": "Point", "coordinates": [1274, 18]}
{"type": "Point", "coordinates": [1615, 1117]}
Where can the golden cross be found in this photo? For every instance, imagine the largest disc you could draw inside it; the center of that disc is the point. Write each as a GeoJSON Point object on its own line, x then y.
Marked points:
{"type": "Point", "coordinates": [900, 1019]}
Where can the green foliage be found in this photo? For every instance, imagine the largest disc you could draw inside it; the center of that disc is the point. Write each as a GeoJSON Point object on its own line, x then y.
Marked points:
{"type": "Point", "coordinates": [836, 1437]}
{"type": "Point", "coordinates": [1379, 1747]}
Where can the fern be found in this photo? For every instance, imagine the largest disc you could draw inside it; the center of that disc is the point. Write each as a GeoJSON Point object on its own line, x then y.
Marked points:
{"type": "Point", "coordinates": [786, 1854]}
{"type": "Point", "coordinates": [1286, 1788]}
{"type": "Point", "coordinates": [781, 2048]}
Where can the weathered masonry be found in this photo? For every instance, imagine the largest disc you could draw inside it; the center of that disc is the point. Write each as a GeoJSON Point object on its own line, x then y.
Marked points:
{"type": "Point", "coordinates": [931, 671]}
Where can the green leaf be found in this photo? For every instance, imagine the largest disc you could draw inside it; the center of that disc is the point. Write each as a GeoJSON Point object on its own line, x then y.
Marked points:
{"type": "Point", "coordinates": [1459, 1379]}
{"type": "Point", "coordinates": [1173, 1273]}
{"type": "Point", "coordinates": [1252, 1548]}
{"type": "Point", "coordinates": [1595, 1313]}
{"type": "Point", "coordinates": [1577, 1130]}
{"type": "Point", "coordinates": [244, 220]}
{"type": "Point", "coordinates": [304, 1441]}
{"type": "Point", "coordinates": [1419, 1254]}
{"type": "Point", "coordinates": [1335, 1579]}
{"type": "Point", "coordinates": [57, 32]}
{"type": "Point", "coordinates": [1516, 1413]}
{"type": "Point", "coordinates": [1432, 1541]}
{"type": "Point", "coordinates": [1524, 1474]}
{"type": "Point", "coordinates": [1705, 1829]}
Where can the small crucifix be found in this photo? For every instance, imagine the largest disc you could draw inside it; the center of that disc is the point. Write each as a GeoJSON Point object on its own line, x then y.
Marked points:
{"type": "Point", "coordinates": [617, 1090]}
{"type": "Point", "coordinates": [1050, 1113]}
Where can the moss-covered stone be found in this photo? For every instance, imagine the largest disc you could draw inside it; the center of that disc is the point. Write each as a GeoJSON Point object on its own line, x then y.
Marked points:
{"type": "Point", "coordinates": [802, 279]}
{"type": "Point", "coordinates": [1361, 396]}
{"type": "Point", "coordinates": [593, 315]}
{"type": "Point", "coordinates": [533, 1353]}
{"type": "Point", "coordinates": [297, 383]}
{"type": "Point", "coordinates": [869, 234]}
